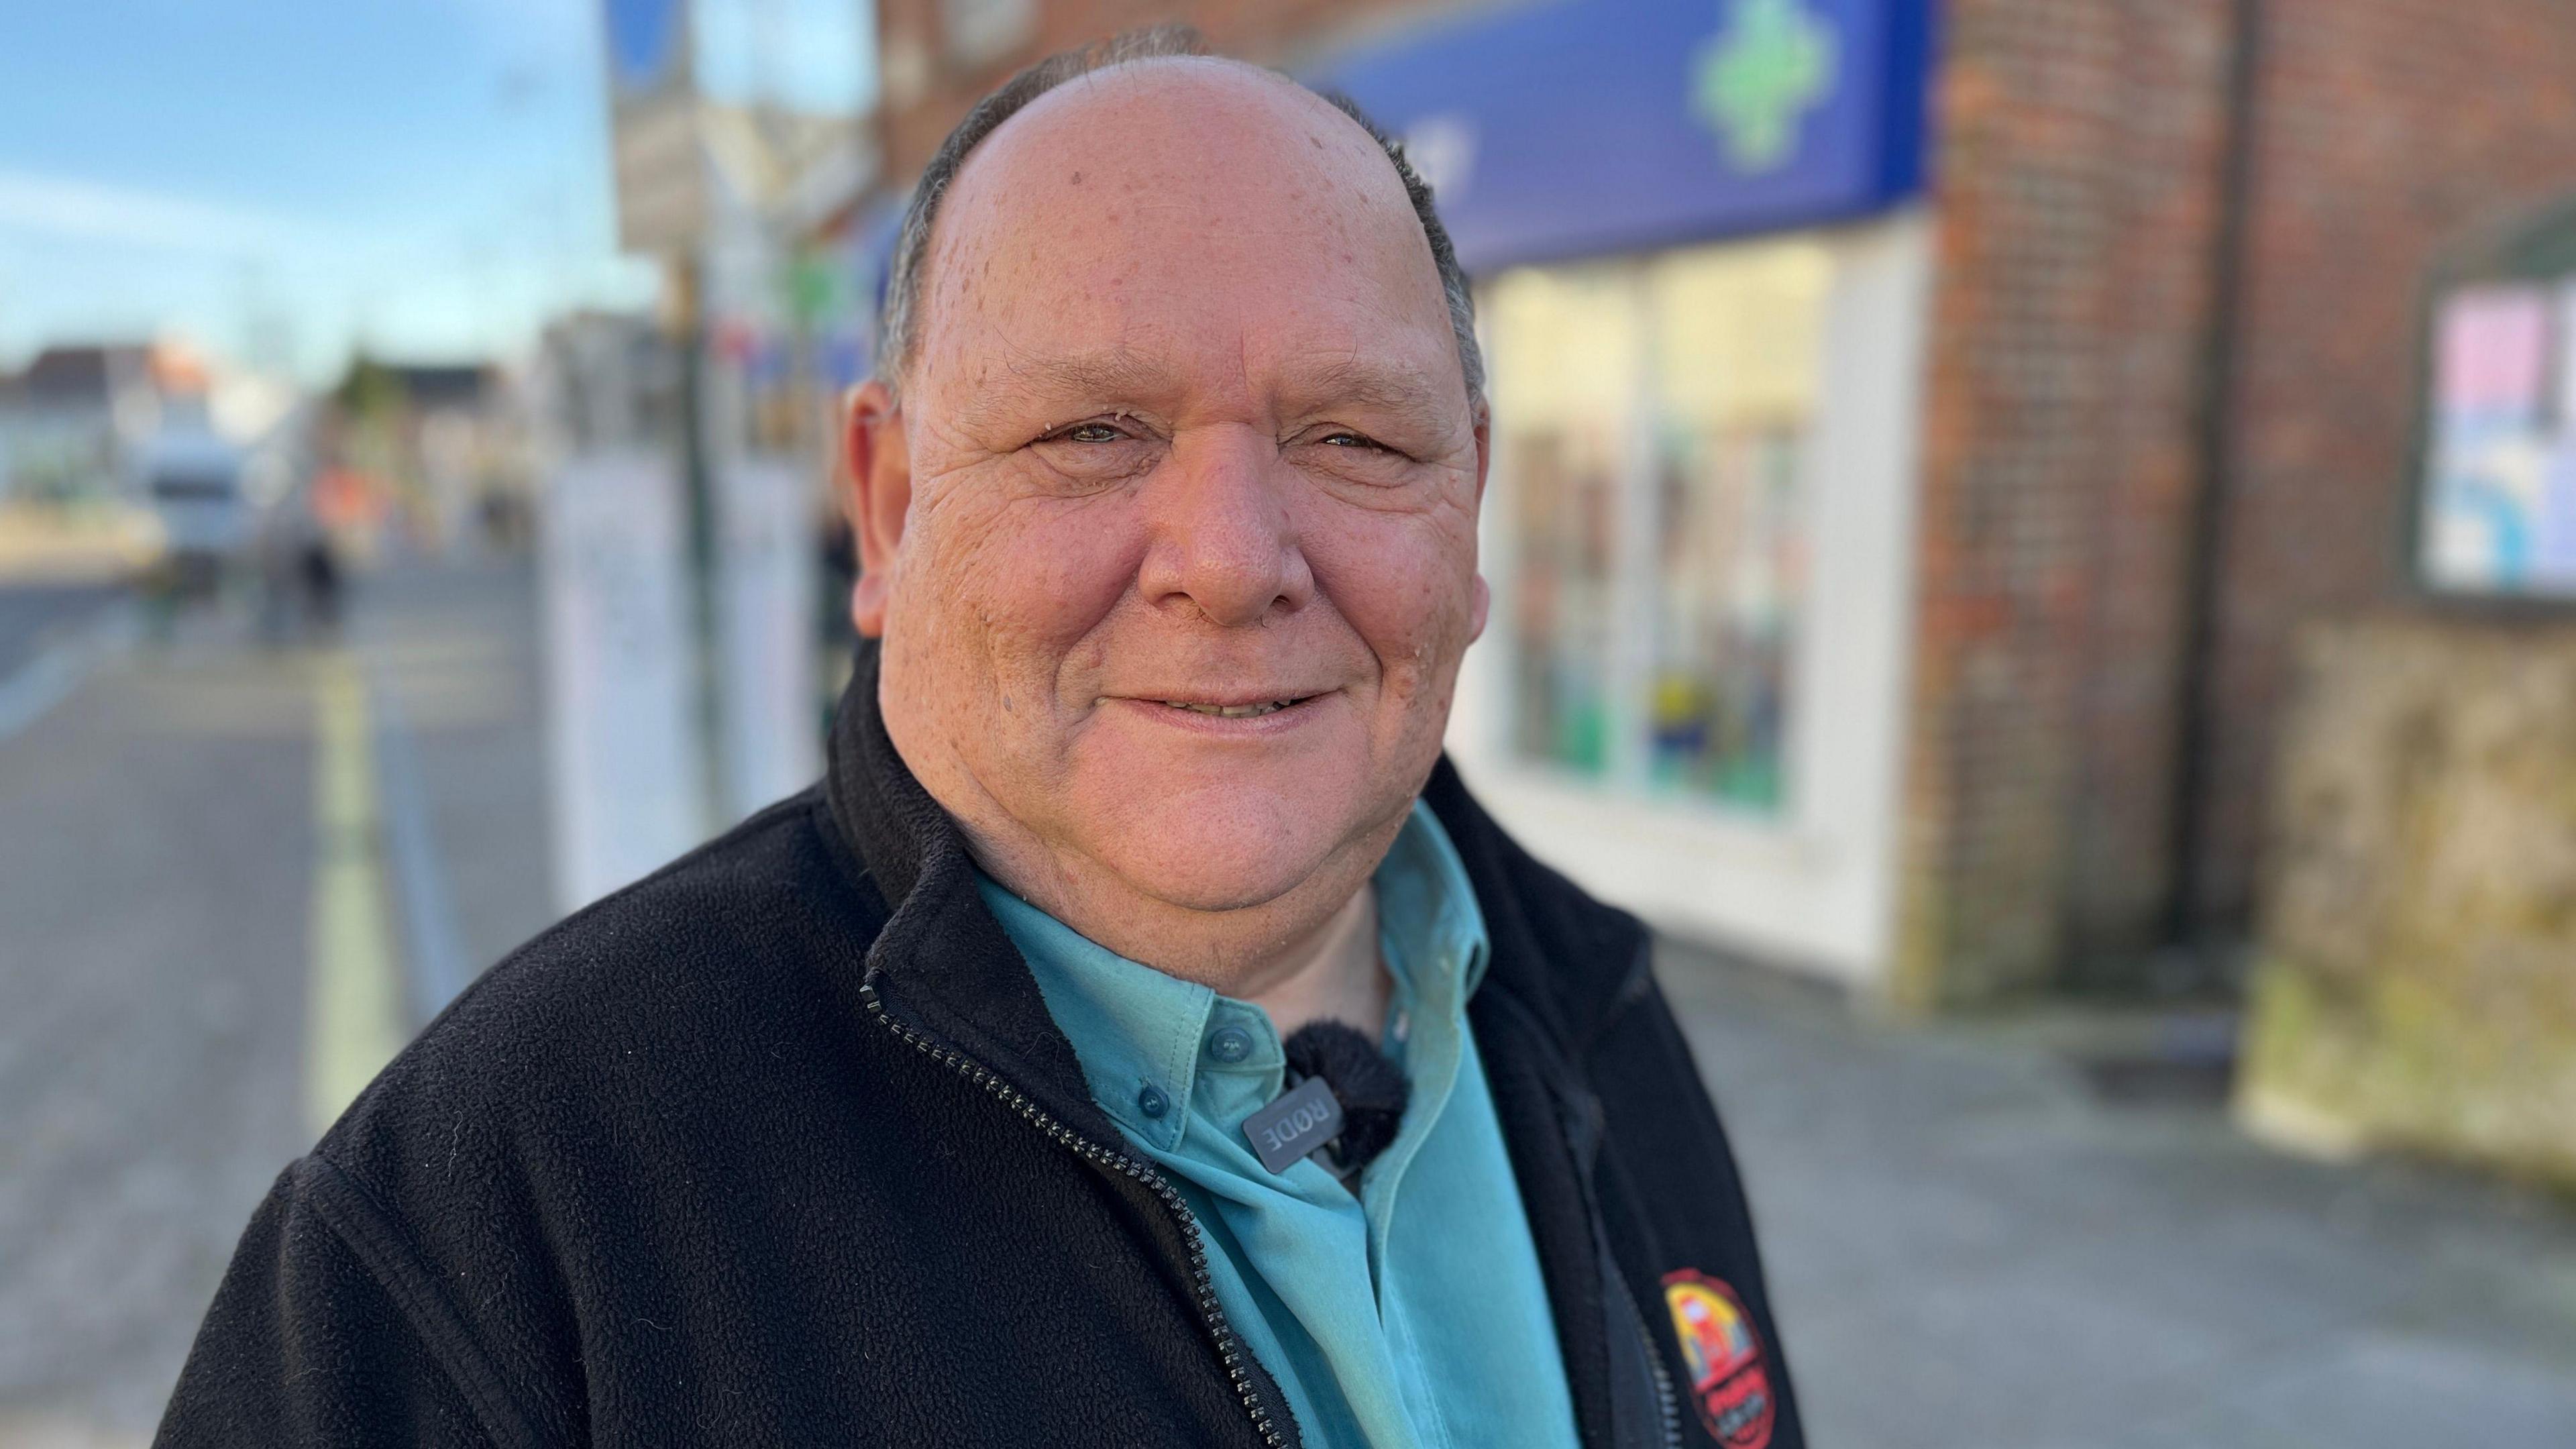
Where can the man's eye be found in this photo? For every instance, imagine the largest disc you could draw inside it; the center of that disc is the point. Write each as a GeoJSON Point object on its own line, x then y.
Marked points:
{"type": "Point", "coordinates": [1352, 440]}
{"type": "Point", "coordinates": [1090, 433]}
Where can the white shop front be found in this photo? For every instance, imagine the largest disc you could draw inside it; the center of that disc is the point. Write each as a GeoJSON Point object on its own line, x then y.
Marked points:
{"type": "Point", "coordinates": [1703, 275]}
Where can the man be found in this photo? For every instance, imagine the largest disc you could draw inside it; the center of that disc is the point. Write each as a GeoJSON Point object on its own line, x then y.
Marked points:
{"type": "Point", "coordinates": [931, 1107]}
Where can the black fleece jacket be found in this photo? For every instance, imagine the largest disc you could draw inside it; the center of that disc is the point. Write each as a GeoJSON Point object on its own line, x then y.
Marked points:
{"type": "Point", "coordinates": [780, 1146]}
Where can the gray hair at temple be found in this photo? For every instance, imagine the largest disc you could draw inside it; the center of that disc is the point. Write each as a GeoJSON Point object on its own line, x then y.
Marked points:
{"type": "Point", "coordinates": [899, 324]}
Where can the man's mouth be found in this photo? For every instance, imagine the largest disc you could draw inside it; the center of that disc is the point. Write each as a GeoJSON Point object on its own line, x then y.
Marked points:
{"type": "Point", "coordinates": [1235, 711]}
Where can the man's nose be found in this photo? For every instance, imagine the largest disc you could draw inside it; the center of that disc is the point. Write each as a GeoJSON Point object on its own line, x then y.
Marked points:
{"type": "Point", "coordinates": [1223, 537]}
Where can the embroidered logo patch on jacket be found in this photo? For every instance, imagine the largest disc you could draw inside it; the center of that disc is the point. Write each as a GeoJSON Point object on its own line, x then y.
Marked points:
{"type": "Point", "coordinates": [1728, 1379]}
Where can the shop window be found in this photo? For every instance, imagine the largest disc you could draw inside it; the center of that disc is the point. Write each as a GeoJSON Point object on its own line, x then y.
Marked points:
{"type": "Point", "coordinates": [1655, 422]}
{"type": "Point", "coordinates": [1567, 354]}
{"type": "Point", "coordinates": [1567, 480]}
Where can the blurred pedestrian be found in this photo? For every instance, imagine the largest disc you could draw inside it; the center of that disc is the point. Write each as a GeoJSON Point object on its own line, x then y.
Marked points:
{"type": "Point", "coordinates": [1141, 1037]}
{"type": "Point", "coordinates": [317, 574]}
{"type": "Point", "coordinates": [300, 581]}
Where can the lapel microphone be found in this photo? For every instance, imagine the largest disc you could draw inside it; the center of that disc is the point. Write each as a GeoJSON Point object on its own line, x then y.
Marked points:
{"type": "Point", "coordinates": [1345, 1099]}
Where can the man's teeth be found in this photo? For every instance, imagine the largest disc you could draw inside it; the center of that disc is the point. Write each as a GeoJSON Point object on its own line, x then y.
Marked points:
{"type": "Point", "coordinates": [1232, 711]}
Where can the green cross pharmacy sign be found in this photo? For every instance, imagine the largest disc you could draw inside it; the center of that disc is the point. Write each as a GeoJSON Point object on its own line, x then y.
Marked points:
{"type": "Point", "coordinates": [1757, 78]}
{"type": "Point", "coordinates": [1585, 128]}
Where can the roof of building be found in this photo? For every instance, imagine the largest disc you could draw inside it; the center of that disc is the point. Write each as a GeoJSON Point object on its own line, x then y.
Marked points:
{"type": "Point", "coordinates": [71, 374]}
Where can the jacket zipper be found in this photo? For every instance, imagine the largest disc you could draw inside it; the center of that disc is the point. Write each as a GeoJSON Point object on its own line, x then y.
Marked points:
{"type": "Point", "coordinates": [1229, 1348]}
{"type": "Point", "coordinates": [1664, 1400]}
{"type": "Point", "coordinates": [1641, 978]}
{"type": "Point", "coordinates": [1667, 1404]}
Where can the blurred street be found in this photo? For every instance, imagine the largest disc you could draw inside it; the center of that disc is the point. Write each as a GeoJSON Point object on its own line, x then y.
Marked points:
{"type": "Point", "coordinates": [1998, 1235]}
{"type": "Point", "coordinates": [158, 871]}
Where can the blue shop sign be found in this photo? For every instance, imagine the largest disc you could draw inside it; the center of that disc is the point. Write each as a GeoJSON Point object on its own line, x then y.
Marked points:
{"type": "Point", "coordinates": [1585, 127]}
{"type": "Point", "coordinates": [646, 44]}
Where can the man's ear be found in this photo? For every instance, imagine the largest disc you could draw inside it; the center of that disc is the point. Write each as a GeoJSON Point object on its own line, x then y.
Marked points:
{"type": "Point", "coordinates": [1484, 424]}
{"type": "Point", "coordinates": [880, 468]}
{"type": "Point", "coordinates": [1482, 601]}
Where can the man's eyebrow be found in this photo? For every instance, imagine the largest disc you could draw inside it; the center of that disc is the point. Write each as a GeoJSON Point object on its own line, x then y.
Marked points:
{"type": "Point", "coordinates": [1365, 382]}
{"type": "Point", "coordinates": [1113, 374]}
{"type": "Point", "coordinates": [1109, 372]}
{"type": "Point", "coordinates": [1124, 375]}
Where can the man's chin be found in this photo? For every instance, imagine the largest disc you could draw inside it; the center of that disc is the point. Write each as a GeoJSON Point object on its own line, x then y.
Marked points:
{"type": "Point", "coordinates": [1230, 847]}
{"type": "Point", "coordinates": [1195, 873]}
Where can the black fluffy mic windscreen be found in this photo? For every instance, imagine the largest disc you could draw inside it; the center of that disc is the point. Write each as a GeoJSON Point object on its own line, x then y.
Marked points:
{"type": "Point", "coordinates": [1371, 1089]}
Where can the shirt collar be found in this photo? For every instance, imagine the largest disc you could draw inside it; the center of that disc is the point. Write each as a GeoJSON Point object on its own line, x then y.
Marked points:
{"type": "Point", "coordinates": [1428, 920]}
{"type": "Point", "coordinates": [1144, 1037]}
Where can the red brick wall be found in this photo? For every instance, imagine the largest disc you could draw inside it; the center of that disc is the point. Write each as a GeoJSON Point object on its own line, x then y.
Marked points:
{"type": "Point", "coordinates": [2384, 130]}
{"type": "Point", "coordinates": [2169, 159]}
{"type": "Point", "coordinates": [2077, 190]}
{"type": "Point", "coordinates": [2075, 196]}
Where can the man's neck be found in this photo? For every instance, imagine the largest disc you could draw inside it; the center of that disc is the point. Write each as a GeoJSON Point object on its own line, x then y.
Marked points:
{"type": "Point", "coordinates": [1312, 954]}
{"type": "Point", "coordinates": [1341, 978]}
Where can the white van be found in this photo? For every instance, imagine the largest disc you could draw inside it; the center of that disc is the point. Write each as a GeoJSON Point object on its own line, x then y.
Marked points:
{"type": "Point", "coordinates": [192, 482]}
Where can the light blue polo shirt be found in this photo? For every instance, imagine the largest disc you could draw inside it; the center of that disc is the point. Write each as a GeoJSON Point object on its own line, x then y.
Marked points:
{"type": "Point", "coordinates": [1412, 1314]}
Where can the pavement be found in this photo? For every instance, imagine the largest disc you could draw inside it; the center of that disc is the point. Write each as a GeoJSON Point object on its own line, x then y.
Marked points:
{"type": "Point", "coordinates": [1986, 1234]}
{"type": "Point", "coordinates": [162, 882]}
{"type": "Point", "coordinates": [231, 876]}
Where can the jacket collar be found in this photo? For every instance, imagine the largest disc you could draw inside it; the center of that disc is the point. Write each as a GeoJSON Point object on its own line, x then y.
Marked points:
{"type": "Point", "coordinates": [941, 965]}
{"type": "Point", "coordinates": [1571, 961]}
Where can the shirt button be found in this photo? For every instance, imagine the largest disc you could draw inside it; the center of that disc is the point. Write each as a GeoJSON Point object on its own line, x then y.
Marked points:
{"type": "Point", "coordinates": [1230, 1044]}
{"type": "Point", "coordinates": [1152, 1102]}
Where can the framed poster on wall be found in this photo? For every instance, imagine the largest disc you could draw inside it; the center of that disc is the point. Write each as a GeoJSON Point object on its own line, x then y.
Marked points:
{"type": "Point", "coordinates": [2495, 513]}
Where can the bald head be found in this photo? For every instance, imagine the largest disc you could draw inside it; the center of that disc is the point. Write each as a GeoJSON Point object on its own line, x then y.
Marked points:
{"type": "Point", "coordinates": [1121, 103]}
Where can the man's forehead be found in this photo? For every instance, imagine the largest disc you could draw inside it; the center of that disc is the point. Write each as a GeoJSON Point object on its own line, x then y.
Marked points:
{"type": "Point", "coordinates": [1178, 201]}
{"type": "Point", "coordinates": [1148, 147]}
{"type": "Point", "coordinates": [1169, 106]}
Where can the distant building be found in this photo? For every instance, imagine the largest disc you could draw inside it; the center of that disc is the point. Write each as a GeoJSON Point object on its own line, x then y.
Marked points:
{"type": "Point", "coordinates": [116, 456]}
{"type": "Point", "coordinates": [1915, 454]}
{"type": "Point", "coordinates": [71, 423]}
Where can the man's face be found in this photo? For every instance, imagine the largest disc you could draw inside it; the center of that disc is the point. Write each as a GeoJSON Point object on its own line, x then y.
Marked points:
{"type": "Point", "coordinates": [1187, 559]}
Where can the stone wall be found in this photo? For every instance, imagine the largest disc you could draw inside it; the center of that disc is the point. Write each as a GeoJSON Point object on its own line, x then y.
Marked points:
{"type": "Point", "coordinates": [2416, 985]}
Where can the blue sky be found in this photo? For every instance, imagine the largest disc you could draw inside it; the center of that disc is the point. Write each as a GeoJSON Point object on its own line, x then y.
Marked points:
{"type": "Point", "coordinates": [282, 179]}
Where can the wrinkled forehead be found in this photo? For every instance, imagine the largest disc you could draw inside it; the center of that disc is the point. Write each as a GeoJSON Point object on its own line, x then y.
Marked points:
{"type": "Point", "coordinates": [1179, 198]}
